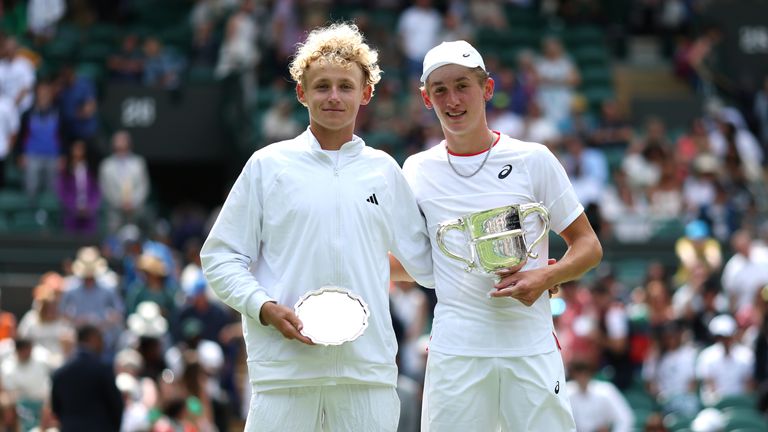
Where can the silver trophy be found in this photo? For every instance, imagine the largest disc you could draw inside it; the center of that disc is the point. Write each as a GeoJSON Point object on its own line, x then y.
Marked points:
{"type": "Point", "coordinates": [495, 237]}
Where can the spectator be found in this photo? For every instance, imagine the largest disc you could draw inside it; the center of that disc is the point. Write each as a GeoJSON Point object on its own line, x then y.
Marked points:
{"type": "Point", "coordinates": [488, 14]}
{"type": "Point", "coordinates": [588, 171]}
{"type": "Point", "coordinates": [127, 65]}
{"type": "Point", "coordinates": [646, 155]}
{"type": "Point", "coordinates": [98, 405]}
{"type": "Point", "coordinates": [409, 304]}
{"type": "Point", "coordinates": [536, 127]}
{"type": "Point", "coordinates": [511, 93]}
{"type": "Point", "coordinates": [105, 276]}
{"type": "Point", "coordinates": [700, 188]}
{"type": "Point", "coordinates": [666, 196]}
{"type": "Point", "coordinates": [136, 416]}
{"type": "Point", "coordinates": [26, 380]}
{"type": "Point", "coordinates": [668, 371]}
{"type": "Point", "coordinates": [611, 334]}
{"type": "Point", "coordinates": [760, 111]}
{"type": "Point", "coordinates": [574, 327]}
{"type": "Point", "coordinates": [760, 346]}
{"type": "Point", "coordinates": [613, 129]}
{"type": "Point", "coordinates": [42, 17]}
{"type": "Point", "coordinates": [9, 126]}
{"type": "Point", "coordinates": [597, 405]}
{"type": "Point", "coordinates": [79, 108]}
{"type": "Point", "coordinates": [79, 193]}
{"type": "Point", "coordinates": [205, 45]}
{"type": "Point", "coordinates": [152, 287]}
{"type": "Point", "coordinates": [279, 123]}
{"type": "Point", "coordinates": [624, 211]}
{"type": "Point", "coordinates": [162, 68]}
{"type": "Point", "coordinates": [418, 28]}
{"type": "Point", "coordinates": [89, 302]}
{"type": "Point", "coordinates": [697, 246]}
{"type": "Point", "coordinates": [198, 362]}
{"type": "Point", "coordinates": [239, 54]}
{"type": "Point", "coordinates": [558, 76]}
{"type": "Point", "coordinates": [726, 367]}
{"type": "Point", "coordinates": [41, 144]}
{"type": "Point", "coordinates": [17, 74]}
{"type": "Point", "coordinates": [742, 275]}
{"type": "Point", "coordinates": [691, 144]}
{"type": "Point", "coordinates": [740, 150]}
{"type": "Point", "coordinates": [147, 332]}
{"type": "Point", "coordinates": [46, 328]}
{"type": "Point", "coordinates": [124, 182]}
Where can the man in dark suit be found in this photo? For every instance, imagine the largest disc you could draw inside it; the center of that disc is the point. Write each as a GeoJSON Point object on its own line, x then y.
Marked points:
{"type": "Point", "coordinates": [84, 396]}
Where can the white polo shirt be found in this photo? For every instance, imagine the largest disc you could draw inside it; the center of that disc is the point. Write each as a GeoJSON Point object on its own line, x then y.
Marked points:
{"type": "Point", "coordinates": [467, 321]}
{"type": "Point", "coordinates": [730, 374]}
{"type": "Point", "coordinates": [9, 124]}
{"type": "Point", "coordinates": [600, 406]}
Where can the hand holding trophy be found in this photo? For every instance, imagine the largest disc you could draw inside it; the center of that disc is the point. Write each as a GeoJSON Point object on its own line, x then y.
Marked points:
{"type": "Point", "coordinates": [495, 237]}
{"type": "Point", "coordinates": [498, 247]}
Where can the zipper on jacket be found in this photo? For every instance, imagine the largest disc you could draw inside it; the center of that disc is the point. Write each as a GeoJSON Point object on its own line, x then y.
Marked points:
{"type": "Point", "coordinates": [339, 281]}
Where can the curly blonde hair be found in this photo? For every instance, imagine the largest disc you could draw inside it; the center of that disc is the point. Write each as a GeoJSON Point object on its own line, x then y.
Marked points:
{"type": "Point", "coordinates": [339, 44]}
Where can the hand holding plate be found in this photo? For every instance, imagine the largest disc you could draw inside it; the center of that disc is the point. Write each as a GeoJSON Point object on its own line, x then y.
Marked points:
{"type": "Point", "coordinates": [284, 320]}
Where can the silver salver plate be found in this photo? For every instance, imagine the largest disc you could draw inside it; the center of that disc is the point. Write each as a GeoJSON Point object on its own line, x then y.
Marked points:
{"type": "Point", "coordinates": [332, 315]}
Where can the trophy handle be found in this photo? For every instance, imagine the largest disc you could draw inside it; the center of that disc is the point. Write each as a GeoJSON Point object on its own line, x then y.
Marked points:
{"type": "Point", "coordinates": [457, 224]}
{"type": "Point", "coordinates": [527, 209]}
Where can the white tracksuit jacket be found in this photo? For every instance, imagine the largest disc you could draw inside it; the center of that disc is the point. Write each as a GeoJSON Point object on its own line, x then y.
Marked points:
{"type": "Point", "coordinates": [296, 220]}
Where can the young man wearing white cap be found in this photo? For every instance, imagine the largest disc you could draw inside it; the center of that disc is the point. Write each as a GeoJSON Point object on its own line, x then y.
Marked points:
{"type": "Point", "coordinates": [493, 358]}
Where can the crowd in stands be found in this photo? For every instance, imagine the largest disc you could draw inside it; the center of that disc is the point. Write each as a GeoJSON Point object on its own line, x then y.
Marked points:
{"type": "Point", "coordinates": [669, 350]}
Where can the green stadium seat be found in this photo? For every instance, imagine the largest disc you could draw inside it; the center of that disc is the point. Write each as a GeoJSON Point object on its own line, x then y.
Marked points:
{"type": "Point", "coordinates": [49, 202]}
{"type": "Point", "coordinates": [201, 75]}
{"type": "Point", "coordinates": [596, 76]}
{"type": "Point", "coordinates": [103, 33]}
{"type": "Point", "coordinates": [590, 56]}
{"type": "Point", "coordinates": [746, 421]}
{"type": "Point", "coordinates": [60, 50]}
{"type": "Point", "coordinates": [95, 52]}
{"type": "Point", "coordinates": [93, 71]}
{"type": "Point", "coordinates": [584, 36]}
{"type": "Point", "coordinates": [521, 16]}
{"type": "Point", "coordinates": [639, 400]}
{"type": "Point", "coordinates": [675, 422]}
{"type": "Point", "coordinates": [26, 220]}
{"type": "Point", "coordinates": [736, 401]}
{"type": "Point", "coordinates": [13, 200]}
{"type": "Point", "coordinates": [631, 272]}
{"type": "Point", "coordinates": [597, 95]}
{"type": "Point", "coordinates": [178, 35]}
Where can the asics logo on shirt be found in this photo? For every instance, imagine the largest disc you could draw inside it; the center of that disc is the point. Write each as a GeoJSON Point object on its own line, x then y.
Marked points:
{"type": "Point", "coordinates": [505, 171]}
{"type": "Point", "coordinates": [372, 199]}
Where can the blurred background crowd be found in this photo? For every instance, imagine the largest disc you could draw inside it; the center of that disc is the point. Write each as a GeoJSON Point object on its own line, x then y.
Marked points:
{"type": "Point", "coordinates": [123, 123]}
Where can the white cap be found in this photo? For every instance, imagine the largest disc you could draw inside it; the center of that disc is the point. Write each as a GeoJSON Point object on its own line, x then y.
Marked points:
{"type": "Point", "coordinates": [708, 420]}
{"type": "Point", "coordinates": [722, 325]}
{"type": "Point", "coordinates": [457, 52]}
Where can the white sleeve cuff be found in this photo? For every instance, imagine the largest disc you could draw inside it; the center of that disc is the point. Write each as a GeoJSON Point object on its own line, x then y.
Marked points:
{"type": "Point", "coordinates": [255, 302]}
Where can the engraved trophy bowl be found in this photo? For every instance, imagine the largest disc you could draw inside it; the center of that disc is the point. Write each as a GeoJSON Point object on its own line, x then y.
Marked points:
{"type": "Point", "coordinates": [495, 238]}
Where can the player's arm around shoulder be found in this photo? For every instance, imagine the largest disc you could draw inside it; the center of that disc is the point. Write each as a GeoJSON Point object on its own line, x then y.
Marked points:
{"type": "Point", "coordinates": [584, 253]}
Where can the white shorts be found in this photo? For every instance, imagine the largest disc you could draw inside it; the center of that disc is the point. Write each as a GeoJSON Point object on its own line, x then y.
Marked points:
{"type": "Point", "coordinates": [496, 393]}
{"type": "Point", "coordinates": [337, 408]}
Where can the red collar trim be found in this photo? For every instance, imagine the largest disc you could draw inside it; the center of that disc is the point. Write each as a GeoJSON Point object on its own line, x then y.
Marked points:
{"type": "Point", "coordinates": [474, 154]}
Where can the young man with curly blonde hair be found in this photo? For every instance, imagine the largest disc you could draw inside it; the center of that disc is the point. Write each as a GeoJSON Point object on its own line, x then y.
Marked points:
{"type": "Point", "coordinates": [320, 209]}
